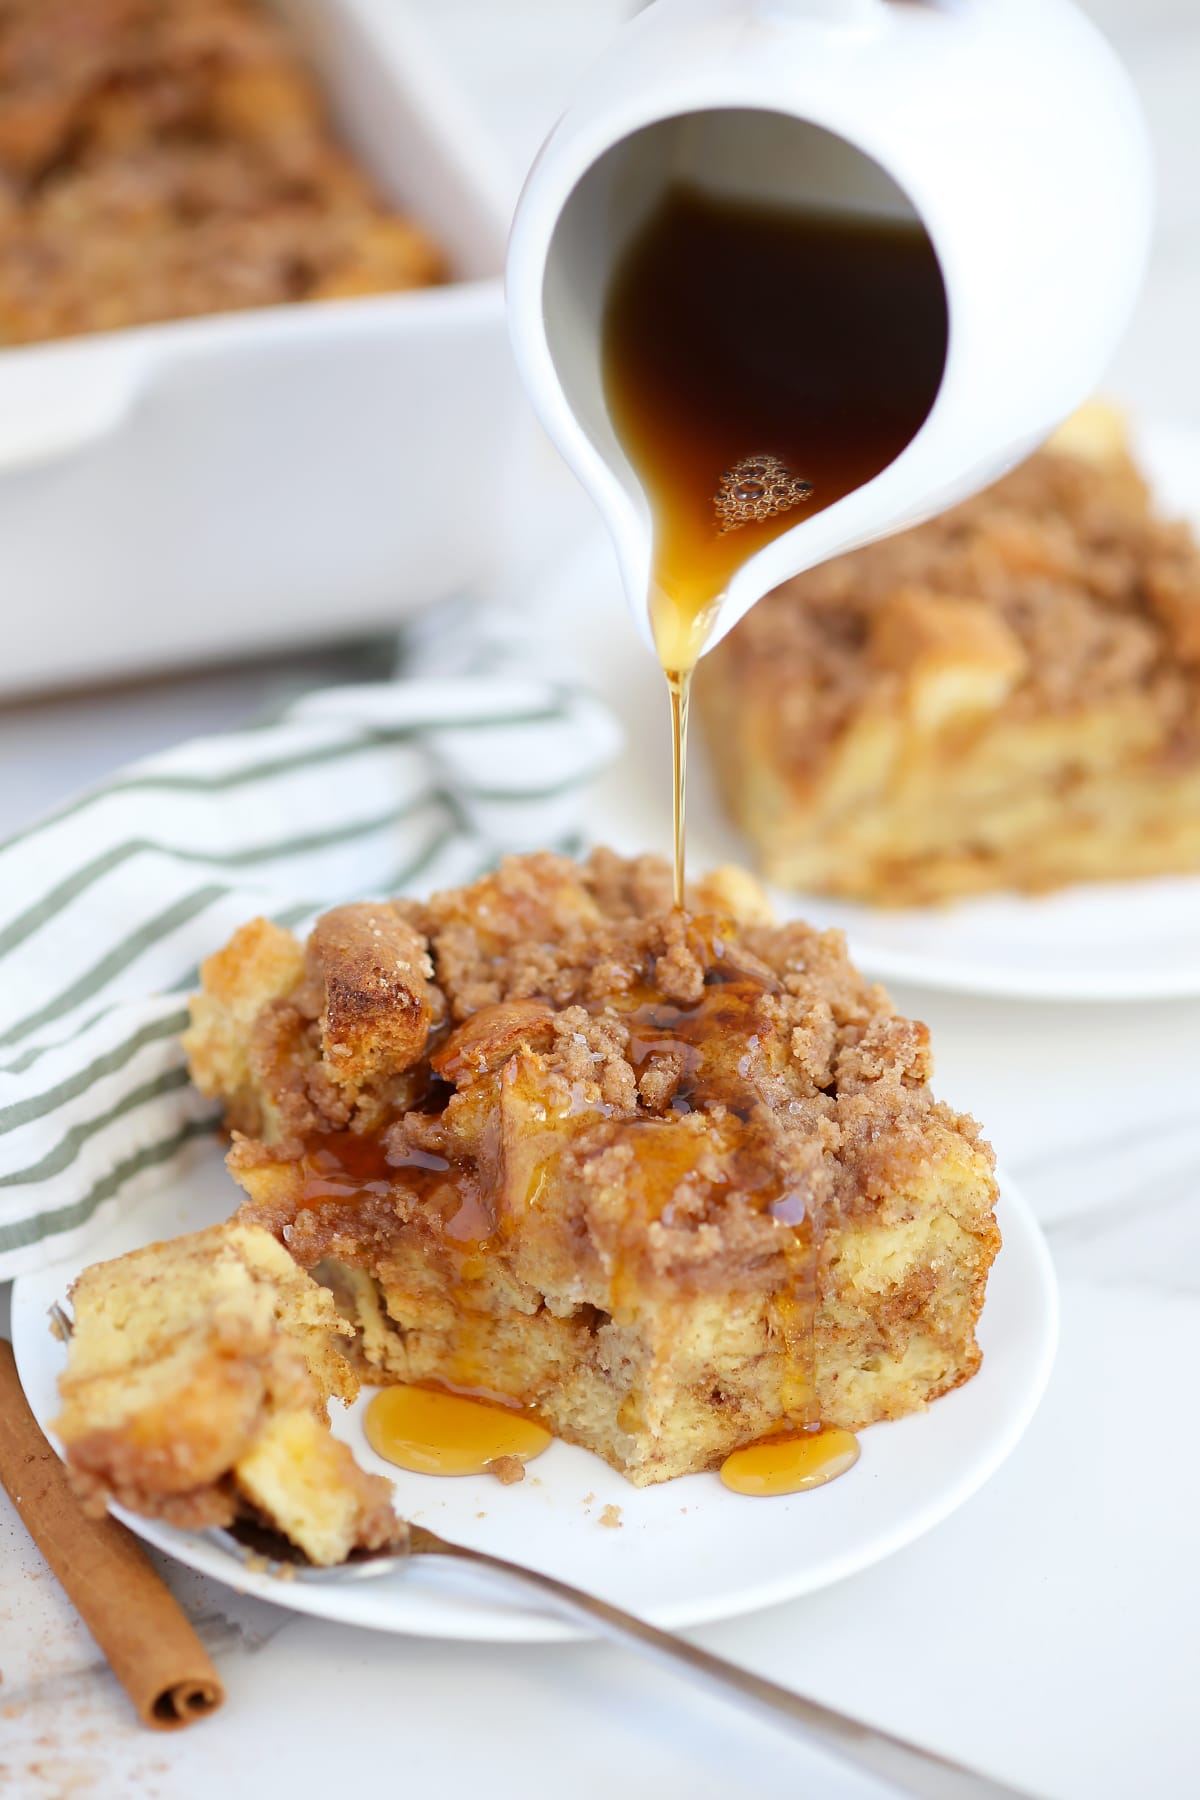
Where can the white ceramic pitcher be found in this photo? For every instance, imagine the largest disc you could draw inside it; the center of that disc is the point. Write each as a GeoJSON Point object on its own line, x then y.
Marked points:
{"type": "Point", "coordinates": [1007, 127]}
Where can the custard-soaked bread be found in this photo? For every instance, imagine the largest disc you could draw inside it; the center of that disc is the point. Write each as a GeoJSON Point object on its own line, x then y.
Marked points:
{"type": "Point", "coordinates": [196, 1387]}
{"type": "Point", "coordinates": [674, 1180]}
{"type": "Point", "coordinates": [1004, 697]}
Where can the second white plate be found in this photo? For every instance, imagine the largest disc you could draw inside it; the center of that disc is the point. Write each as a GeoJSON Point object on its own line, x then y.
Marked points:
{"type": "Point", "coordinates": [683, 1553]}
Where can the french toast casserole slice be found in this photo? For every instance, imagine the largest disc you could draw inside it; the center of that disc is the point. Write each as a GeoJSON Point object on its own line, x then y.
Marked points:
{"type": "Point", "coordinates": [1005, 697]}
{"type": "Point", "coordinates": [675, 1180]}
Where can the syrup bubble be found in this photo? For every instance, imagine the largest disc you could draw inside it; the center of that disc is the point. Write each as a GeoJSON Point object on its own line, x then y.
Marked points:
{"type": "Point", "coordinates": [757, 488]}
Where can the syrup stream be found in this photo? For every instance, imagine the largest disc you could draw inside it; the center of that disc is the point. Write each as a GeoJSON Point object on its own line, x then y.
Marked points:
{"type": "Point", "coordinates": [679, 689]}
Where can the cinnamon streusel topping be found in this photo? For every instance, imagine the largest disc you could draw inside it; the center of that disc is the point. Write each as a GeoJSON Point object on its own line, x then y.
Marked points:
{"type": "Point", "coordinates": [1076, 591]}
{"type": "Point", "coordinates": [751, 1065]}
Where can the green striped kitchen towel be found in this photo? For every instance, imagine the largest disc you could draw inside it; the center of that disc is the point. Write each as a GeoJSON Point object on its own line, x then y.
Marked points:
{"type": "Point", "coordinates": [108, 906]}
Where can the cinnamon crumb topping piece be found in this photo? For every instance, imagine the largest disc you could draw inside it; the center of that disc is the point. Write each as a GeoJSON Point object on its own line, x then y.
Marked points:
{"type": "Point", "coordinates": [375, 971]}
{"type": "Point", "coordinates": [508, 1470]}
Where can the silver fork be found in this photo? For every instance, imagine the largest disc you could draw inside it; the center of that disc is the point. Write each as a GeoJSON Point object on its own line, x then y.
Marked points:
{"type": "Point", "coordinates": [914, 1771]}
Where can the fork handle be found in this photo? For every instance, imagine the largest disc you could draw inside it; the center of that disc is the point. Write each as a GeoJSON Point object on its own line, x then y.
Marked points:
{"type": "Point", "coordinates": [914, 1771]}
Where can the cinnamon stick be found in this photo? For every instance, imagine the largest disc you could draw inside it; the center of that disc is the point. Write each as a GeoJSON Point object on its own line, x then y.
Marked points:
{"type": "Point", "coordinates": [129, 1610]}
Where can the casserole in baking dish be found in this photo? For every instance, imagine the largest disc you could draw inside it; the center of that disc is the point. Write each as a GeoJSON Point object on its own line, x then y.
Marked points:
{"type": "Point", "coordinates": [218, 484]}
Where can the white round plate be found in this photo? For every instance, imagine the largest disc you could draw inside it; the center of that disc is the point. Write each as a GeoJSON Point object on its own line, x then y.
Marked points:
{"type": "Point", "coordinates": [1133, 940]}
{"type": "Point", "coordinates": [682, 1553]}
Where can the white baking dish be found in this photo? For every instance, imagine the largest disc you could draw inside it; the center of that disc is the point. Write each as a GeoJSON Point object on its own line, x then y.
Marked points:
{"type": "Point", "coordinates": [201, 488]}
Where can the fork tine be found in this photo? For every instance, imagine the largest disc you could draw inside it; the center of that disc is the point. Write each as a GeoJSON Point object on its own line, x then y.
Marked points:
{"type": "Point", "coordinates": [297, 1568]}
{"type": "Point", "coordinates": [255, 1560]}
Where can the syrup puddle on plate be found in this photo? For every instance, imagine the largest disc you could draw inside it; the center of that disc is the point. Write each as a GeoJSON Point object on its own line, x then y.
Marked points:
{"type": "Point", "coordinates": [430, 1432]}
{"type": "Point", "coordinates": [789, 1465]}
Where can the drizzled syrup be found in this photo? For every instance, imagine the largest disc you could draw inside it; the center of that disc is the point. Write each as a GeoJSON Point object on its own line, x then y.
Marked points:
{"type": "Point", "coordinates": [712, 1054]}
{"type": "Point", "coordinates": [361, 1169]}
{"type": "Point", "coordinates": [759, 364]}
{"type": "Point", "coordinates": [718, 1047]}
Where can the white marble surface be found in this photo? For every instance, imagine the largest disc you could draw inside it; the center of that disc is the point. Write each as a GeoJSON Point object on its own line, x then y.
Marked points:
{"type": "Point", "coordinates": [1047, 1632]}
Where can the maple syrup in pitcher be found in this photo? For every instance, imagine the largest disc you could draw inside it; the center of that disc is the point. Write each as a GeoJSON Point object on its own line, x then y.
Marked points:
{"type": "Point", "coordinates": [759, 363]}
